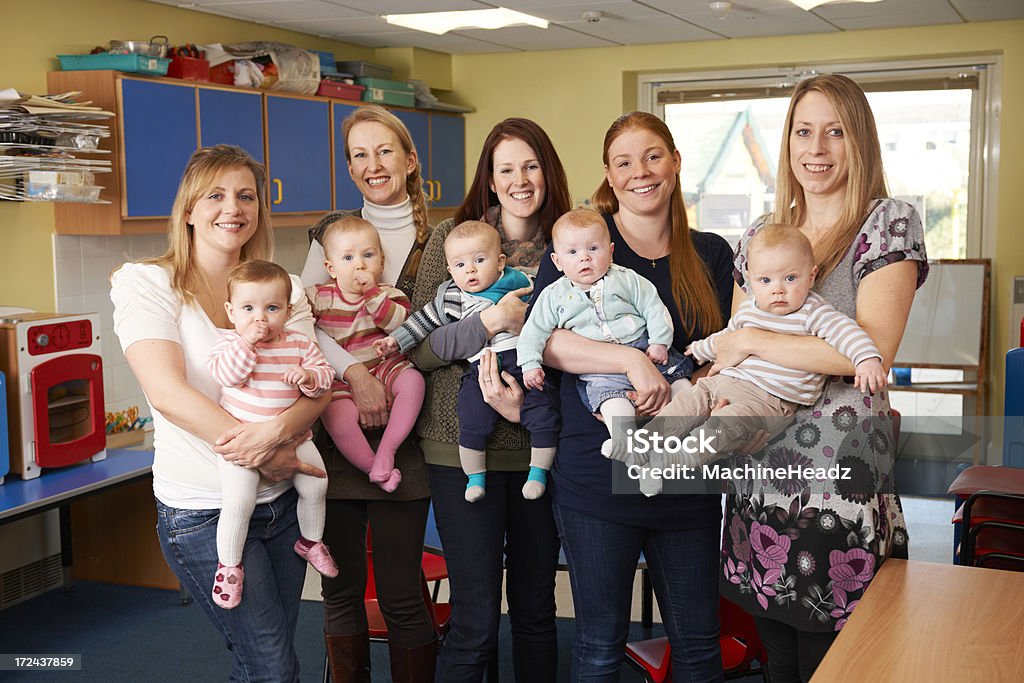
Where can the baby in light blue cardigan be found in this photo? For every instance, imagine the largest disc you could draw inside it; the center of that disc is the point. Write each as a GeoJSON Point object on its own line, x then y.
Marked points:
{"type": "Point", "coordinates": [605, 302]}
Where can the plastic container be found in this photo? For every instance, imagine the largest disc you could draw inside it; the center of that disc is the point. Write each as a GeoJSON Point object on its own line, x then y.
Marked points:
{"type": "Point", "coordinates": [189, 69]}
{"type": "Point", "coordinates": [327, 62]}
{"type": "Point", "coordinates": [364, 69]}
{"type": "Point", "coordinates": [382, 91]}
{"type": "Point", "coordinates": [342, 91]}
{"type": "Point", "coordinates": [132, 63]}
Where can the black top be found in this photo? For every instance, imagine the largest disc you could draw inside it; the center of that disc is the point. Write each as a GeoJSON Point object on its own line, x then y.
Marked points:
{"type": "Point", "coordinates": [581, 477]}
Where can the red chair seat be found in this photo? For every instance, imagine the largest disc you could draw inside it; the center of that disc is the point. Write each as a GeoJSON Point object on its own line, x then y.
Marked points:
{"type": "Point", "coordinates": [988, 478]}
{"type": "Point", "coordinates": [652, 657]}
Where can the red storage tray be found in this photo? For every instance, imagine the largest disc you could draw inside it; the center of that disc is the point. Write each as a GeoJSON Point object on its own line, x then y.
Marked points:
{"type": "Point", "coordinates": [189, 69]}
{"type": "Point", "coordinates": [343, 91]}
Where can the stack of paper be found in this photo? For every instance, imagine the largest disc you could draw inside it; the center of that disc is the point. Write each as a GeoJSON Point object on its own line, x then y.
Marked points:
{"type": "Point", "coordinates": [39, 137]}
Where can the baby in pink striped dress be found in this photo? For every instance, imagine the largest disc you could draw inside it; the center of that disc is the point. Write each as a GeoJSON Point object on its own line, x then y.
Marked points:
{"type": "Point", "coordinates": [262, 368]}
{"type": "Point", "coordinates": [356, 311]}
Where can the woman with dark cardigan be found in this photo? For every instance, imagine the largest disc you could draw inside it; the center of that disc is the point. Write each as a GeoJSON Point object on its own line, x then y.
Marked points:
{"type": "Point", "coordinates": [520, 189]}
{"type": "Point", "coordinates": [385, 168]}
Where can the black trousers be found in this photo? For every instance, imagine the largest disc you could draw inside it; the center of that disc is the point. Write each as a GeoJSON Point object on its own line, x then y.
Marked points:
{"type": "Point", "coordinates": [397, 528]}
{"type": "Point", "coordinates": [792, 655]}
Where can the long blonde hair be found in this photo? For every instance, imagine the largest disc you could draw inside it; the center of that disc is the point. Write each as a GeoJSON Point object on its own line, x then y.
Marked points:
{"type": "Point", "coordinates": [414, 181]}
{"type": "Point", "coordinates": [866, 177]}
{"type": "Point", "coordinates": [206, 164]}
{"type": "Point", "coordinates": [692, 287]}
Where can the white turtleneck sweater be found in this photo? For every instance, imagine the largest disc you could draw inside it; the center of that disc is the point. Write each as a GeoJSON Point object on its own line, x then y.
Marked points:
{"type": "Point", "coordinates": [397, 232]}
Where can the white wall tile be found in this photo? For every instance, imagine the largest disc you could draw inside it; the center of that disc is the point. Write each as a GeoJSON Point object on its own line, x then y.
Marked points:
{"type": "Point", "coordinates": [67, 274]}
{"type": "Point", "coordinates": [67, 246]}
{"type": "Point", "coordinates": [70, 304]}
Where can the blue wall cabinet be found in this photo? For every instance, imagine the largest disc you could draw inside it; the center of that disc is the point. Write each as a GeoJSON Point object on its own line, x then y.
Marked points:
{"type": "Point", "coordinates": [298, 154]}
{"type": "Point", "coordinates": [447, 159]}
{"type": "Point", "coordinates": [346, 196]}
{"type": "Point", "coordinates": [441, 142]}
{"type": "Point", "coordinates": [231, 117]}
{"type": "Point", "coordinates": [158, 124]}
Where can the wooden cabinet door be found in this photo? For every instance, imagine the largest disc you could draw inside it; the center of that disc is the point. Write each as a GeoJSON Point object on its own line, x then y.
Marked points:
{"type": "Point", "coordinates": [158, 125]}
{"type": "Point", "coordinates": [346, 196]}
{"type": "Point", "coordinates": [231, 117]}
{"type": "Point", "coordinates": [447, 159]}
{"type": "Point", "coordinates": [299, 154]}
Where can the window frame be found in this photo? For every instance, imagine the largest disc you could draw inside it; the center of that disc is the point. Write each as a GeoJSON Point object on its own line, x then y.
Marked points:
{"type": "Point", "coordinates": [983, 164]}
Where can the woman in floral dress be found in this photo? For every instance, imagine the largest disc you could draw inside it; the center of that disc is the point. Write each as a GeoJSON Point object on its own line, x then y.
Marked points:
{"type": "Point", "coordinates": [798, 553]}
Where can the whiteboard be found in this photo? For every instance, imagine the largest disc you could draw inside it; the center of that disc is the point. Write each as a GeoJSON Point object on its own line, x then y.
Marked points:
{"type": "Point", "coordinates": [945, 321]}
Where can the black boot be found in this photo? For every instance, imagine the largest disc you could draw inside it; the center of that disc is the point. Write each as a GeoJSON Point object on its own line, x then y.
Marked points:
{"type": "Point", "coordinates": [349, 657]}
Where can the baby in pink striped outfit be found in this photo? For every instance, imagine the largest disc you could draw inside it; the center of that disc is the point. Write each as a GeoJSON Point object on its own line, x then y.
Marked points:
{"type": "Point", "coordinates": [357, 309]}
{"type": "Point", "coordinates": [262, 368]}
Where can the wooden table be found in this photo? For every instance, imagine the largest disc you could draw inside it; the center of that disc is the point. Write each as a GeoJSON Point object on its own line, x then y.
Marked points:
{"type": "Point", "coordinates": [923, 621]}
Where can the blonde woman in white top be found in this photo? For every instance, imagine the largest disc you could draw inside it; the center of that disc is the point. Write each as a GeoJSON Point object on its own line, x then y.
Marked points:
{"type": "Point", "coordinates": [168, 314]}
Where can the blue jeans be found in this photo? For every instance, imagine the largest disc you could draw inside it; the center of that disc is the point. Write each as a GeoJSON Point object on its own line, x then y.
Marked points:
{"type": "Point", "coordinates": [500, 529]}
{"type": "Point", "coordinates": [683, 566]}
{"type": "Point", "coordinates": [260, 632]}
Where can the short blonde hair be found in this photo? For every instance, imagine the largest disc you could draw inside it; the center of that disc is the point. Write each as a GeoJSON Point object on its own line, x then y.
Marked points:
{"type": "Point", "coordinates": [780, 236]}
{"type": "Point", "coordinates": [579, 218]}
{"type": "Point", "coordinates": [348, 225]}
{"type": "Point", "coordinates": [471, 229]}
{"type": "Point", "coordinates": [258, 271]}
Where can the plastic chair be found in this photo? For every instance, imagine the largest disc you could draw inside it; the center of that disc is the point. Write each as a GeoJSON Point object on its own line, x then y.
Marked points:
{"type": "Point", "coordinates": [740, 644]}
{"type": "Point", "coordinates": [992, 516]}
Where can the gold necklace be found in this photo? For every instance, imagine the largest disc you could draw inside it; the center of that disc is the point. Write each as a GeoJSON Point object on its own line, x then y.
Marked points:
{"type": "Point", "coordinates": [211, 312]}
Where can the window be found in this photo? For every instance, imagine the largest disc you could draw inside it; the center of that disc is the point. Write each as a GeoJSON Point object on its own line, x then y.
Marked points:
{"type": "Point", "coordinates": [935, 125]}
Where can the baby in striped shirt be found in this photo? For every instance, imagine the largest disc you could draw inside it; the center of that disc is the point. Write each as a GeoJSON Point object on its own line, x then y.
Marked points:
{"type": "Point", "coordinates": [761, 394]}
{"type": "Point", "coordinates": [263, 368]}
{"type": "Point", "coordinates": [356, 309]}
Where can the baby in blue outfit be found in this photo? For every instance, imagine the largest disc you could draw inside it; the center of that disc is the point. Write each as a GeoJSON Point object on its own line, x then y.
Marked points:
{"type": "Point", "coordinates": [605, 302]}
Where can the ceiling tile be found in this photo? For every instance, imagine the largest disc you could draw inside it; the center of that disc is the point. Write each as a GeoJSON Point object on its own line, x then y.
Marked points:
{"type": "Point", "coordinates": [633, 30]}
{"type": "Point", "coordinates": [288, 11]}
{"type": "Point", "coordinates": [881, 14]}
{"type": "Point", "coordinates": [412, 6]}
{"type": "Point", "coordinates": [554, 37]}
{"type": "Point", "coordinates": [989, 10]}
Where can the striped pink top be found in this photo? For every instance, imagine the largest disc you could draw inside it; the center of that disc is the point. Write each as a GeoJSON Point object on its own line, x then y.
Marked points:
{"type": "Point", "coordinates": [355, 325]}
{"type": "Point", "coordinates": [253, 383]}
{"type": "Point", "coordinates": [816, 317]}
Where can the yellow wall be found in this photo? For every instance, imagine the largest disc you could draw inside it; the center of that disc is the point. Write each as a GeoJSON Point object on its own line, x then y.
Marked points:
{"type": "Point", "coordinates": [75, 27]}
{"type": "Point", "coordinates": [576, 94]}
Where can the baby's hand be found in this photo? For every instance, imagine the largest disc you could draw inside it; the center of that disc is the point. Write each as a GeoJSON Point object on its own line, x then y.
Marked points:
{"type": "Point", "coordinates": [257, 331]}
{"type": "Point", "coordinates": [870, 375]}
{"type": "Point", "coordinates": [385, 347]}
{"type": "Point", "coordinates": [534, 379]}
{"type": "Point", "coordinates": [658, 353]}
{"type": "Point", "coordinates": [297, 376]}
{"type": "Point", "coordinates": [364, 279]}
{"type": "Point", "coordinates": [688, 351]}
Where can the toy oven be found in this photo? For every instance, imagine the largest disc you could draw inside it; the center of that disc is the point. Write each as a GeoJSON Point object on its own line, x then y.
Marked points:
{"type": "Point", "coordinates": [54, 376]}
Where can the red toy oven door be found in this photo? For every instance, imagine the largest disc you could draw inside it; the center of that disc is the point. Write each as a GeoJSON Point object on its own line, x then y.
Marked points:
{"type": "Point", "coordinates": [67, 409]}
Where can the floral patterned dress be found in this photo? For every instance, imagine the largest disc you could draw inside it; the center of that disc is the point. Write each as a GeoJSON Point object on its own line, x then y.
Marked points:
{"type": "Point", "coordinates": [802, 550]}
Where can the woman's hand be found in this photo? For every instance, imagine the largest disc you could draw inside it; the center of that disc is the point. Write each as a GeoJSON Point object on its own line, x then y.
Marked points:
{"type": "Point", "coordinates": [284, 464]}
{"type": "Point", "coordinates": [508, 315]}
{"type": "Point", "coordinates": [249, 444]}
{"type": "Point", "coordinates": [369, 396]}
{"type": "Point", "coordinates": [652, 391]}
{"type": "Point", "coordinates": [731, 349]}
{"type": "Point", "coordinates": [500, 391]}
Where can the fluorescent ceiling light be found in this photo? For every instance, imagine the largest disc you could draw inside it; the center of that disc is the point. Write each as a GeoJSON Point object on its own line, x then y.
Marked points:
{"type": "Point", "coordinates": [442, 22]}
{"type": "Point", "coordinates": [808, 5]}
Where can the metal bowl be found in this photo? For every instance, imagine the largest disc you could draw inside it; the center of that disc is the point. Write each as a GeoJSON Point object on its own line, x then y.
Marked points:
{"type": "Point", "coordinates": [151, 48]}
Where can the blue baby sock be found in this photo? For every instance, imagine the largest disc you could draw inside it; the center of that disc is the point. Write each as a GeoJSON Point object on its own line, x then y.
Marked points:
{"type": "Point", "coordinates": [479, 479]}
{"type": "Point", "coordinates": [537, 474]}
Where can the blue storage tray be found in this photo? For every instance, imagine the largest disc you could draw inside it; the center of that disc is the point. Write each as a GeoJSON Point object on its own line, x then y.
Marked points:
{"type": "Point", "coordinates": [132, 63]}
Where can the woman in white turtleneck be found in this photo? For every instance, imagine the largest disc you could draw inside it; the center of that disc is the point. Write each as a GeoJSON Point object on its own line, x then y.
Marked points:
{"type": "Point", "coordinates": [385, 169]}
